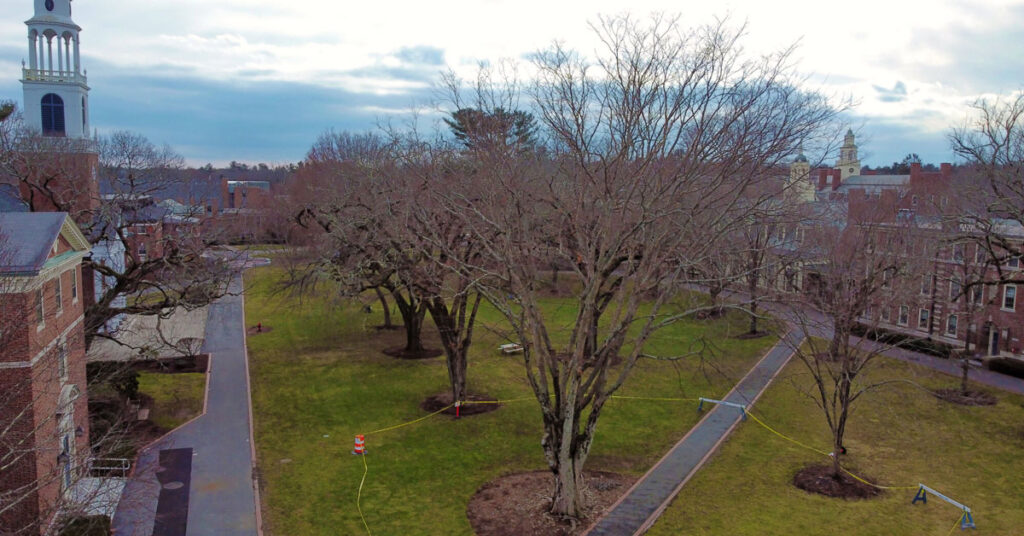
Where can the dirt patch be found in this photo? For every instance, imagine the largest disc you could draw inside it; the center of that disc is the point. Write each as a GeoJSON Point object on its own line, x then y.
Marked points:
{"type": "Point", "coordinates": [818, 479]}
{"type": "Point", "coordinates": [970, 398]}
{"type": "Point", "coordinates": [517, 504]}
{"type": "Point", "coordinates": [443, 400]}
{"type": "Point", "coordinates": [749, 335]}
{"type": "Point", "coordinates": [258, 329]}
{"type": "Point", "coordinates": [400, 353]}
{"type": "Point", "coordinates": [392, 327]}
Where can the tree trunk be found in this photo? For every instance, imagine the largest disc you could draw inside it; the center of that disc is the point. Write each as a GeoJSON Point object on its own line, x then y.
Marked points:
{"type": "Point", "coordinates": [567, 497]}
{"type": "Point", "coordinates": [965, 367]}
{"type": "Point", "coordinates": [387, 309]}
{"type": "Point", "coordinates": [414, 331]}
{"type": "Point", "coordinates": [753, 317]}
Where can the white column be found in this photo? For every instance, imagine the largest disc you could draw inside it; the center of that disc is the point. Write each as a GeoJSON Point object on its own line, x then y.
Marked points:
{"type": "Point", "coordinates": [60, 55]}
{"type": "Point", "coordinates": [78, 63]}
{"type": "Point", "coordinates": [41, 64]}
{"type": "Point", "coordinates": [49, 53]}
{"type": "Point", "coordinates": [32, 52]}
{"type": "Point", "coordinates": [67, 54]}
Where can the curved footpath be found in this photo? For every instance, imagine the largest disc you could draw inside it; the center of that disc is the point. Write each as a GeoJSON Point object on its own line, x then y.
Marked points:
{"type": "Point", "coordinates": [198, 479]}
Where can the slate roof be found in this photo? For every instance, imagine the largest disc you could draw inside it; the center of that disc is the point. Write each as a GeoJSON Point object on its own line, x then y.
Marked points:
{"type": "Point", "coordinates": [874, 183]}
{"type": "Point", "coordinates": [10, 201]}
{"type": "Point", "coordinates": [26, 239]}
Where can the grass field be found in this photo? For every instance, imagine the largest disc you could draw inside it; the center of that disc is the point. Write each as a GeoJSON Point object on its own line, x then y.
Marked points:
{"type": "Point", "coordinates": [319, 378]}
{"type": "Point", "coordinates": [900, 436]}
{"type": "Point", "coordinates": [176, 397]}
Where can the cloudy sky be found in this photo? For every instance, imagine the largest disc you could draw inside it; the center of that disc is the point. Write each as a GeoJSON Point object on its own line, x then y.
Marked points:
{"type": "Point", "coordinates": [258, 80]}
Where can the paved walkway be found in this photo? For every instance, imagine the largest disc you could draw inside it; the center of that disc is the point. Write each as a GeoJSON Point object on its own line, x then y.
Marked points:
{"type": "Point", "coordinates": [641, 505]}
{"type": "Point", "coordinates": [221, 499]}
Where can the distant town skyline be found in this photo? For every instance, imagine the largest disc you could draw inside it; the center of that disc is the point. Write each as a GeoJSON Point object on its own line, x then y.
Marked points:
{"type": "Point", "coordinates": [258, 81]}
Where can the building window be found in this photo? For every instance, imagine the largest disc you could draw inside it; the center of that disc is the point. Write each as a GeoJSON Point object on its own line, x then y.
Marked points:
{"type": "Point", "coordinates": [958, 252]}
{"type": "Point", "coordinates": [74, 285]}
{"type": "Point", "coordinates": [923, 318]}
{"type": "Point", "coordinates": [913, 201]}
{"type": "Point", "coordinates": [980, 255]}
{"type": "Point", "coordinates": [142, 251]}
{"type": "Point", "coordinates": [53, 115]}
{"type": "Point", "coordinates": [1010, 297]}
{"type": "Point", "coordinates": [904, 317]}
{"type": "Point", "coordinates": [39, 306]}
{"type": "Point", "coordinates": [62, 359]}
{"type": "Point", "coordinates": [977, 294]}
{"type": "Point", "coordinates": [954, 289]}
{"type": "Point", "coordinates": [886, 315]}
{"type": "Point", "coordinates": [951, 326]}
{"type": "Point", "coordinates": [59, 295]}
{"type": "Point", "coordinates": [926, 285]}
{"type": "Point", "coordinates": [1013, 263]}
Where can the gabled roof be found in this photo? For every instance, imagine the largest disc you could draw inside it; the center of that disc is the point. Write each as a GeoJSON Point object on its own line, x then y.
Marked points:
{"type": "Point", "coordinates": [26, 239]}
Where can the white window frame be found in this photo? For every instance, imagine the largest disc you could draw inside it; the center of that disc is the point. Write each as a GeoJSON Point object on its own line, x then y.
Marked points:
{"type": "Point", "coordinates": [926, 285]}
{"type": "Point", "coordinates": [955, 288]}
{"type": "Point", "coordinates": [926, 315]}
{"type": "Point", "coordinates": [952, 321]}
{"type": "Point", "coordinates": [40, 308]}
{"type": "Point", "coordinates": [886, 315]}
{"type": "Point", "coordinates": [58, 296]}
{"type": "Point", "coordinates": [74, 286]}
{"type": "Point", "coordinates": [62, 359]}
{"type": "Point", "coordinates": [1007, 291]}
{"type": "Point", "coordinates": [903, 316]}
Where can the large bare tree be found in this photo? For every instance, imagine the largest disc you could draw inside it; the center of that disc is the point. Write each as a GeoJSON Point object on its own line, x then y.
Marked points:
{"type": "Point", "coordinates": [650, 156]}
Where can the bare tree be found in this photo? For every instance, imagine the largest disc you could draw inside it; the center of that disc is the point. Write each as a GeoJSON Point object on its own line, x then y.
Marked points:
{"type": "Point", "coordinates": [649, 162]}
{"type": "Point", "coordinates": [147, 260]}
{"type": "Point", "coordinates": [856, 270]}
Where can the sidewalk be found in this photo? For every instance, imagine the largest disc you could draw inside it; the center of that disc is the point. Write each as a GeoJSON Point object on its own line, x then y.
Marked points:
{"type": "Point", "coordinates": [215, 493]}
{"type": "Point", "coordinates": [644, 502]}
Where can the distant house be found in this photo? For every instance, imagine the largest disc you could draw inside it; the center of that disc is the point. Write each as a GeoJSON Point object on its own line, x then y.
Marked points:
{"type": "Point", "coordinates": [44, 440]}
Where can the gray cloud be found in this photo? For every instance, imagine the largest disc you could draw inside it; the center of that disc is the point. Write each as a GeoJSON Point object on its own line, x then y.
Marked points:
{"type": "Point", "coordinates": [983, 57]}
{"type": "Point", "coordinates": [898, 92]}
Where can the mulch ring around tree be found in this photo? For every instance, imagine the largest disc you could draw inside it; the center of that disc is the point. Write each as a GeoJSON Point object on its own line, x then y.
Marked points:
{"type": "Point", "coordinates": [749, 335]}
{"type": "Point", "coordinates": [587, 363]}
{"type": "Point", "coordinates": [258, 329]}
{"type": "Point", "coordinates": [443, 400]}
{"type": "Point", "coordinates": [818, 479]}
{"type": "Point", "coordinates": [970, 398]}
{"type": "Point", "coordinates": [174, 365]}
{"type": "Point", "coordinates": [400, 353]}
{"type": "Point", "coordinates": [517, 504]}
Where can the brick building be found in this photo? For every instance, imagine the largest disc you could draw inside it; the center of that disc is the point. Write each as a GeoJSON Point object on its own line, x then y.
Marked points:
{"type": "Point", "coordinates": [44, 442]}
{"type": "Point", "coordinates": [942, 300]}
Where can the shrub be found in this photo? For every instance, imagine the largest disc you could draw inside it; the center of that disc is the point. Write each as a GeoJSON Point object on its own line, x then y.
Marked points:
{"type": "Point", "coordinates": [909, 342]}
{"type": "Point", "coordinates": [1007, 365]}
{"type": "Point", "coordinates": [119, 376]}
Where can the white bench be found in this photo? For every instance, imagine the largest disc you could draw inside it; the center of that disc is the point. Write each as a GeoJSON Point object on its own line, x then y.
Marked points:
{"type": "Point", "coordinates": [511, 348]}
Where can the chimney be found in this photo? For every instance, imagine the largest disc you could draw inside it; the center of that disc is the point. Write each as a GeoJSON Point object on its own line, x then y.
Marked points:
{"type": "Point", "coordinates": [946, 169]}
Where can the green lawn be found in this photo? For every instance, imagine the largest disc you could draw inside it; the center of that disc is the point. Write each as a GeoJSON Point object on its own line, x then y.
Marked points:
{"type": "Point", "coordinates": [176, 397]}
{"type": "Point", "coordinates": [319, 378]}
{"type": "Point", "coordinates": [899, 436]}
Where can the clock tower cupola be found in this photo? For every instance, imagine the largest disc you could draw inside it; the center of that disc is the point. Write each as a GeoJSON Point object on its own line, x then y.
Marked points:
{"type": "Point", "coordinates": [54, 84]}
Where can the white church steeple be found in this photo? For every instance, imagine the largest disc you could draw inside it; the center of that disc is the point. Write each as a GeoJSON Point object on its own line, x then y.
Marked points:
{"type": "Point", "coordinates": [848, 162]}
{"type": "Point", "coordinates": [55, 89]}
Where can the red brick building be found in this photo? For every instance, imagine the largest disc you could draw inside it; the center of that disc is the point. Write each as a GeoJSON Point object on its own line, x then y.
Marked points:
{"type": "Point", "coordinates": [44, 440]}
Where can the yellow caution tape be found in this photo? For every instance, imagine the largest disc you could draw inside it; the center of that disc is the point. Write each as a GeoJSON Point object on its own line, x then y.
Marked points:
{"type": "Point", "coordinates": [397, 426]}
{"type": "Point", "coordinates": [359, 495]}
